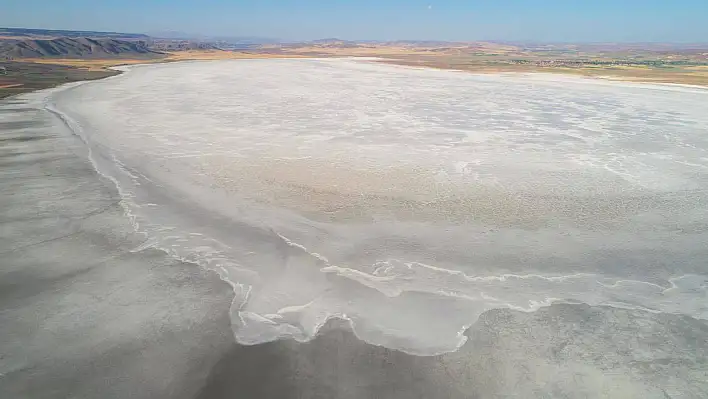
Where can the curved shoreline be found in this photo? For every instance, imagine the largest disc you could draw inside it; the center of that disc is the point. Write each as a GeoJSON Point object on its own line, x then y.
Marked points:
{"type": "Point", "coordinates": [80, 314]}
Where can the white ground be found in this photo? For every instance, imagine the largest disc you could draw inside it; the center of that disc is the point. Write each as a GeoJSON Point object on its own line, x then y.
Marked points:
{"type": "Point", "coordinates": [408, 200]}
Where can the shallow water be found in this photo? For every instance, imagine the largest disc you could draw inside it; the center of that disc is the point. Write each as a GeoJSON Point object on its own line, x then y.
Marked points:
{"type": "Point", "coordinates": [408, 201]}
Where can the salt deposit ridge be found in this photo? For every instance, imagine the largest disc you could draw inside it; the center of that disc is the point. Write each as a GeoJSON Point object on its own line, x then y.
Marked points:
{"type": "Point", "coordinates": [408, 201]}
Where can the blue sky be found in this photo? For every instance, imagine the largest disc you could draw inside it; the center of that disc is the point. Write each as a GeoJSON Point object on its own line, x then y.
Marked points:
{"type": "Point", "coordinates": [551, 20]}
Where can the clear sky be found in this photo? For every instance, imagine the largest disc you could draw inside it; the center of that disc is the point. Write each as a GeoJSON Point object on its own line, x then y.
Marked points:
{"type": "Point", "coordinates": [550, 20]}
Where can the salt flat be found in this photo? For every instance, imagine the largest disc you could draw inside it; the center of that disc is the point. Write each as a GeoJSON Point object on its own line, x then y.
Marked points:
{"type": "Point", "coordinates": [386, 195]}
{"type": "Point", "coordinates": [428, 208]}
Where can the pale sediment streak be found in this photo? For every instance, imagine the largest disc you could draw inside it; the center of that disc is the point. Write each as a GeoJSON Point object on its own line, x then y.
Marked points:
{"type": "Point", "coordinates": [240, 214]}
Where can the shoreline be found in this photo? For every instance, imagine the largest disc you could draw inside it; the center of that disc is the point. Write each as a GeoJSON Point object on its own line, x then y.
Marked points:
{"type": "Point", "coordinates": [82, 314]}
{"type": "Point", "coordinates": [28, 77]}
{"type": "Point", "coordinates": [93, 69]}
{"type": "Point", "coordinates": [96, 69]}
{"type": "Point", "coordinates": [572, 72]}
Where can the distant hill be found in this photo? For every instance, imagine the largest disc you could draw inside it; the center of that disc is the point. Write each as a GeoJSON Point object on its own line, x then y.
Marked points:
{"type": "Point", "coordinates": [331, 40]}
{"type": "Point", "coordinates": [334, 43]}
{"type": "Point", "coordinates": [222, 40]}
{"type": "Point", "coordinates": [340, 46]}
{"type": "Point", "coordinates": [54, 33]}
{"type": "Point", "coordinates": [83, 47]}
{"type": "Point", "coordinates": [181, 45]}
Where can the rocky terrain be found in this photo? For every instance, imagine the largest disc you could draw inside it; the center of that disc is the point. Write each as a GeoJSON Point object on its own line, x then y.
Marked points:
{"type": "Point", "coordinates": [66, 47]}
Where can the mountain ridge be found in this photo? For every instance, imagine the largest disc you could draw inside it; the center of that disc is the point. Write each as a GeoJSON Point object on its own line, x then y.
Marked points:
{"type": "Point", "coordinates": [36, 33]}
{"type": "Point", "coordinates": [67, 47]}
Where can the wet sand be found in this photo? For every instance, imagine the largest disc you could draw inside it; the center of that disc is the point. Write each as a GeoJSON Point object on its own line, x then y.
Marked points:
{"type": "Point", "coordinates": [83, 314]}
{"type": "Point", "coordinates": [565, 351]}
{"type": "Point", "coordinates": [80, 314]}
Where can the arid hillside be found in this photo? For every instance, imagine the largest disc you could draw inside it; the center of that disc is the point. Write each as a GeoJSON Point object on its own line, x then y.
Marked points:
{"type": "Point", "coordinates": [66, 47]}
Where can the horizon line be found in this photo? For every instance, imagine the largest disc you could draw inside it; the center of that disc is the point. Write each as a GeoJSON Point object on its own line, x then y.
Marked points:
{"type": "Point", "coordinates": [279, 40]}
